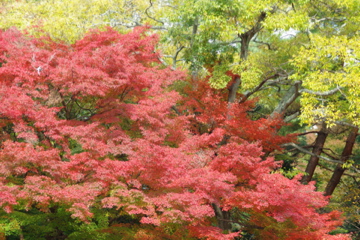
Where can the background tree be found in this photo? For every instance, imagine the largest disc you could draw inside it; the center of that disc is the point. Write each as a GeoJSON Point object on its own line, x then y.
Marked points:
{"type": "Point", "coordinates": [261, 43]}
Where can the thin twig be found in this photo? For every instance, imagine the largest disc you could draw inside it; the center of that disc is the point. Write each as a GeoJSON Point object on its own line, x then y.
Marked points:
{"type": "Point", "coordinates": [147, 14]}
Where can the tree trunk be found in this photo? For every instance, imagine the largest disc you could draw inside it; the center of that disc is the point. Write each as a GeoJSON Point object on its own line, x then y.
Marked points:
{"type": "Point", "coordinates": [245, 39]}
{"type": "Point", "coordinates": [222, 217]}
{"type": "Point", "coordinates": [314, 160]}
{"type": "Point", "coordinates": [247, 36]}
{"type": "Point", "coordinates": [233, 89]}
{"type": "Point", "coordinates": [339, 170]}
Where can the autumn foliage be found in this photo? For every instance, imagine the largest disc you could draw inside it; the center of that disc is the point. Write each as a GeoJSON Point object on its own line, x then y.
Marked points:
{"type": "Point", "coordinates": [94, 128]}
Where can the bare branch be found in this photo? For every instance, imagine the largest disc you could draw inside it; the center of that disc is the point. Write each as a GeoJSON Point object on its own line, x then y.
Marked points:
{"type": "Point", "coordinates": [305, 133]}
{"type": "Point", "coordinates": [355, 169]}
{"type": "Point", "coordinates": [258, 87]}
{"type": "Point", "coordinates": [328, 154]}
{"type": "Point", "coordinates": [345, 124]}
{"type": "Point", "coordinates": [327, 93]}
{"type": "Point", "coordinates": [292, 116]}
{"type": "Point", "coordinates": [310, 153]}
{"type": "Point", "coordinates": [263, 43]}
{"type": "Point", "coordinates": [176, 55]}
{"type": "Point", "coordinates": [174, 58]}
{"type": "Point", "coordinates": [162, 61]}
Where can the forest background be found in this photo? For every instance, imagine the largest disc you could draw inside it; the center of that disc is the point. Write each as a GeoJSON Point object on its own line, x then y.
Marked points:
{"type": "Point", "coordinates": [190, 113]}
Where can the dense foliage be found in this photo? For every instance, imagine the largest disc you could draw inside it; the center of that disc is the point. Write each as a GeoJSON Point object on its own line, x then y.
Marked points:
{"type": "Point", "coordinates": [93, 137]}
{"type": "Point", "coordinates": [79, 115]}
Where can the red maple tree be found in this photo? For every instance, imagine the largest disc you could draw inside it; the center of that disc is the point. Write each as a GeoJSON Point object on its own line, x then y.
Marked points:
{"type": "Point", "coordinates": [94, 125]}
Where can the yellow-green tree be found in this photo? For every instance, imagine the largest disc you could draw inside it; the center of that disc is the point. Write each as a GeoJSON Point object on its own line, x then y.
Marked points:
{"type": "Point", "coordinates": [69, 20]}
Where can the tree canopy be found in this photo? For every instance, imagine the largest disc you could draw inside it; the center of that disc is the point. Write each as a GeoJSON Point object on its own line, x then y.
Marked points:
{"type": "Point", "coordinates": [167, 119]}
{"type": "Point", "coordinates": [90, 125]}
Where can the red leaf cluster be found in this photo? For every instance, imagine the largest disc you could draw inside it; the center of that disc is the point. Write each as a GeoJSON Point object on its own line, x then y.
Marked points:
{"type": "Point", "coordinates": [94, 124]}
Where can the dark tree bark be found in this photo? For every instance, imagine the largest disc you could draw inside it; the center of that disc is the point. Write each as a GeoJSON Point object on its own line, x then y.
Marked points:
{"type": "Point", "coordinates": [233, 89]}
{"type": "Point", "coordinates": [317, 150]}
{"type": "Point", "coordinates": [223, 218]}
{"type": "Point", "coordinates": [245, 38]}
{"type": "Point", "coordinates": [339, 170]}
